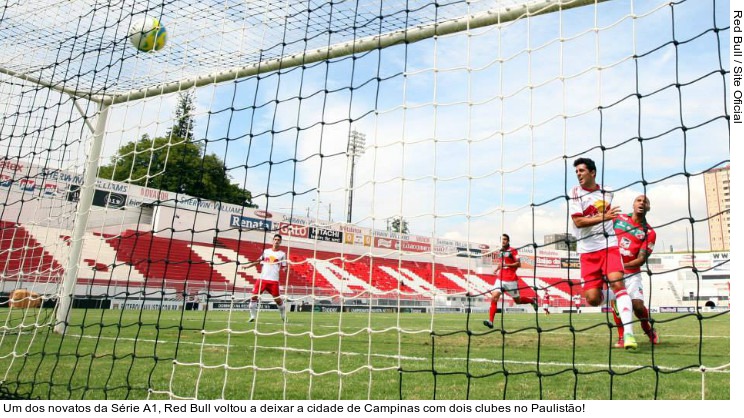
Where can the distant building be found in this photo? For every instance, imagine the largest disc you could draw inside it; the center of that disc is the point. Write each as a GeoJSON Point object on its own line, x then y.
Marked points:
{"type": "Point", "coordinates": [563, 242]}
{"type": "Point", "coordinates": [718, 200]}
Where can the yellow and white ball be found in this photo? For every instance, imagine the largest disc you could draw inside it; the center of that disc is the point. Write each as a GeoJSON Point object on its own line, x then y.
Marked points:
{"type": "Point", "coordinates": [148, 34]}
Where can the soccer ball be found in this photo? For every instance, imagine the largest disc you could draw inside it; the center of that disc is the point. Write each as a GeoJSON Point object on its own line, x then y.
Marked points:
{"type": "Point", "coordinates": [147, 34]}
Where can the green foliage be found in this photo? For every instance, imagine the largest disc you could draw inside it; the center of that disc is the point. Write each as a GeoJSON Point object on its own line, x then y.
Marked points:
{"type": "Point", "coordinates": [184, 127]}
{"type": "Point", "coordinates": [176, 163]}
{"type": "Point", "coordinates": [399, 225]}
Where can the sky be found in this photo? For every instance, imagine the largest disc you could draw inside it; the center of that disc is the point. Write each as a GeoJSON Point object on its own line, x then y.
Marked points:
{"type": "Point", "coordinates": [466, 134]}
{"type": "Point", "coordinates": [472, 135]}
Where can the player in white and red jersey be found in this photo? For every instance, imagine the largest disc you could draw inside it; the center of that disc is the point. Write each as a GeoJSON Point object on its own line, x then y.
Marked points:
{"type": "Point", "coordinates": [593, 216]}
{"type": "Point", "coordinates": [506, 280]}
{"type": "Point", "coordinates": [273, 260]}
{"type": "Point", "coordinates": [636, 239]}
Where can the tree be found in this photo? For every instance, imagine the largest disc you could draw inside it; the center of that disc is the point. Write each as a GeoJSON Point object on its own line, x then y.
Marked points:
{"type": "Point", "coordinates": [400, 225]}
{"type": "Point", "coordinates": [176, 163]}
{"type": "Point", "coordinates": [184, 127]}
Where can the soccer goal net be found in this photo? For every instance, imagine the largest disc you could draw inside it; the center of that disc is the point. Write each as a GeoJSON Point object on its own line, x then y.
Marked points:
{"type": "Point", "coordinates": [151, 152]}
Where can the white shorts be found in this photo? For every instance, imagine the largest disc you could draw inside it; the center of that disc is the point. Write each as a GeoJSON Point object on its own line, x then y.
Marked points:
{"type": "Point", "coordinates": [634, 286]}
{"type": "Point", "coordinates": [512, 288]}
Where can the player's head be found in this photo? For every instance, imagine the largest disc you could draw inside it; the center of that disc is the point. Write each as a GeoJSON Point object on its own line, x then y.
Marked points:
{"type": "Point", "coordinates": [277, 241]}
{"type": "Point", "coordinates": [505, 240]}
{"type": "Point", "coordinates": [586, 172]}
{"type": "Point", "coordinates": [641, 205]}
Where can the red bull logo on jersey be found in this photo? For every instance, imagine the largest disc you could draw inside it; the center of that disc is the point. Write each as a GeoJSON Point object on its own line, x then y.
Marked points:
{"type": "Point", "coordinates": [601, 206]}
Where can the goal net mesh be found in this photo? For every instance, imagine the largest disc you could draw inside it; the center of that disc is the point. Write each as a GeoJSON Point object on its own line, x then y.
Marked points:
{"type": "Point", "coordinates": [390, 144]}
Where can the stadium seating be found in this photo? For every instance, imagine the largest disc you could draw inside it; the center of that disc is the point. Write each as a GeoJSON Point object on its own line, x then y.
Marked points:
{"type": "Point", "coordinates": [142, 257]}
{"type": "Point", "coordinates": [157, 257]}
{"type": "Point", "coordinates": [22, 254]}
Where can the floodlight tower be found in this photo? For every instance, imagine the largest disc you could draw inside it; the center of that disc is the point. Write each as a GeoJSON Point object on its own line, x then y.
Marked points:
{"type": "Point", "coordinates": [354, 149]}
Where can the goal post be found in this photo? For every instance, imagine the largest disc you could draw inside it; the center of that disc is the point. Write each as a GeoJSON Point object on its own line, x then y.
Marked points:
{"type": "Point", "coordinates": [354, 46]}
{"type": "Point", "coordinates": [498, 15]}
{"type": "Point", "coordinates": [87, 191]}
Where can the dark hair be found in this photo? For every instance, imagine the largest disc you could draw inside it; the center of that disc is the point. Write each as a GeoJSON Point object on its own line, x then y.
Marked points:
{"type": "Point", "coordinates": [278, 235]}
{"type": "Point", "coordinates": [588, 162]}
{"type": "Point", "coordinates": [507, 237]}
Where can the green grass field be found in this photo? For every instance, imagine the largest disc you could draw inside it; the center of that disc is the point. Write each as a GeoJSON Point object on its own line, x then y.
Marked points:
{"type": "Point", "coordinates": [111, 354]}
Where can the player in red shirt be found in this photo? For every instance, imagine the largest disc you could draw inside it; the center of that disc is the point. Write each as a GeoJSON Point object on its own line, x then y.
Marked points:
{"type": "Point", "coordinates": [636, 240]}
{"type": "Point", "coordinates": [546, 303]}
{"type": "Point", "coordinates": [506, 280]}
{"type": "Point", "coordinates": [593, 216]}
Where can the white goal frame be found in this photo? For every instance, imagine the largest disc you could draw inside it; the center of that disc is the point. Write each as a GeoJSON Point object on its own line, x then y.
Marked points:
{"type": "Point", "coordinates": [104, 102]}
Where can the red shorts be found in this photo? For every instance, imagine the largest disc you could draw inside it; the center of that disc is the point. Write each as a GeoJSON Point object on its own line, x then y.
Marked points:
{"type": "Point", "coordinates": [598, 265]}
{"type": "Point", "coordinates": [266, 286]}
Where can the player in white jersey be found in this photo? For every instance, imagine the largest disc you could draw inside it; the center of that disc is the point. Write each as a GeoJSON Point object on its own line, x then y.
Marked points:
{"type": "Point", "coordinates": [593, 216]}
{"type": "Point", "coordinates": [273, 261]}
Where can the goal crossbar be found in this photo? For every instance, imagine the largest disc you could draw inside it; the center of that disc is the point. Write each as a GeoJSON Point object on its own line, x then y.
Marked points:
{"type": "Point", "coordinates": [414, 34]}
